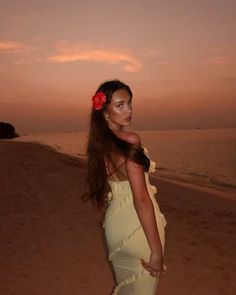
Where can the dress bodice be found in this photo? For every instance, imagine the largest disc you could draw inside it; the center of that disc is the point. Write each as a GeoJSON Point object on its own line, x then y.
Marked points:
{"type": "Point", "coordinates": [124, 185]}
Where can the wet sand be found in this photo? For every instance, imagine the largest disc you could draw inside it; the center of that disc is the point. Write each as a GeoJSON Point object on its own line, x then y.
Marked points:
{"type": "Point", "coordinates": [52, 243]}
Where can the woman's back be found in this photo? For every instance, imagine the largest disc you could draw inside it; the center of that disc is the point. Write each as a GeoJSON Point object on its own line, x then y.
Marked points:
{"type": "Point", "coordinates": [115, 167]}
{"type": "Point", "coordinates": [115, 164]}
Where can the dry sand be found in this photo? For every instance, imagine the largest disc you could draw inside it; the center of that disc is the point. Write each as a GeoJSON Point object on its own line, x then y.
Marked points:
{"type": "Point", "coordinates": [53, 244]}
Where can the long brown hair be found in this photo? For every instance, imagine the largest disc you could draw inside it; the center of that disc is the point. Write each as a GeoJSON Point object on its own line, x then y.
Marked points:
{"type": "Point", "coordinates": [102, 142]}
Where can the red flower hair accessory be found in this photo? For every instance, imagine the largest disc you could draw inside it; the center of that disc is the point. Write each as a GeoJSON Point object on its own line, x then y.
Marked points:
{"type": "Point", "coordinates": [98, 100]}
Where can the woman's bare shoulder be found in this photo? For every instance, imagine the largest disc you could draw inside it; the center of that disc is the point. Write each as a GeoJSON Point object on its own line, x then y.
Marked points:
{"type": "Point", "coordinates": [131, 137]}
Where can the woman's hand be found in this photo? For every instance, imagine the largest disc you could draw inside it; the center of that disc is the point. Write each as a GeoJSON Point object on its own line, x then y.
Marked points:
{"type": "Point", "coordinates": [155, 266]}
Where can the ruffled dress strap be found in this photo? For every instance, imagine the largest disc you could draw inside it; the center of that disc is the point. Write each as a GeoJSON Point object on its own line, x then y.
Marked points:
{"type": "Point", "coordinates": [152, 167]}
{"type": "Point", "coordinates": [117, 168]}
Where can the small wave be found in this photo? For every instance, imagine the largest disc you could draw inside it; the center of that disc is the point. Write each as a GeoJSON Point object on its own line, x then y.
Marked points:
{"type": "Point", "coordinates": [216, 181]}
{"type": "Point", "coordinates": [161, 168]}
{"type": "Point", "coordinates": [212, 180]}
{"type": "Point", "coordinates": [198, 175]}
{"type": "Point", "coordinates": [202, 180]}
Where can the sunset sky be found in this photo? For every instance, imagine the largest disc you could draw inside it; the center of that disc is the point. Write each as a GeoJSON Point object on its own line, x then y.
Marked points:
{"type": "Point", "coordinates": [179, 58]}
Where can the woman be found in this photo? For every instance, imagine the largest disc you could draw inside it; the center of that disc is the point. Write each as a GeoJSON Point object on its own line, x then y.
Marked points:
{"type": "Point", "coordinates": [117, 177]}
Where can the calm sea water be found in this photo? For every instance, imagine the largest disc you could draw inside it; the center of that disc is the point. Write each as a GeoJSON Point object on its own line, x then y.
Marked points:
{"type": "Point", "coordinates": [202, 156]}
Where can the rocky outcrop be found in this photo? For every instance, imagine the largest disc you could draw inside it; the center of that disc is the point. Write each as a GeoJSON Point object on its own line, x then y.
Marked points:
{"type": "Point", "coordinates": [7, 131]}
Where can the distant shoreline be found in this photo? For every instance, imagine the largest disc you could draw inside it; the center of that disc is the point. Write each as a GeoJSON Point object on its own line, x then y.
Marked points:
{"type": "Point", "coordinates": [217, 190]}
{"type": "Point", "coordinates": [212, 190]}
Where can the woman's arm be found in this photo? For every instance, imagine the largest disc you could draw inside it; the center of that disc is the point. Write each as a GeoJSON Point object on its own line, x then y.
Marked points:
{"type": "Point", "coordinates": [145, 210]}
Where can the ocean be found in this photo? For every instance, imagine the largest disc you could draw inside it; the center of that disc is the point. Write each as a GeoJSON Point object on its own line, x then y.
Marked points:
{"type": "Point", "coordinates": [205, 157]}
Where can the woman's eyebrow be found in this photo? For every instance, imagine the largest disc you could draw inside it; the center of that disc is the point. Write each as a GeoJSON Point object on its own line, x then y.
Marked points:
{"type": "Point", "coordinates": [120, 101]}
{"type": "Point", "coordinates": [123, 100]}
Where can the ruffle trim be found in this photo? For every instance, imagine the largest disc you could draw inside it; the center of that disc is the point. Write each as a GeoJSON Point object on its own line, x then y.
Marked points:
{"type": "Point", "coordinates": [124, 242]}
{"type": "Point", "coordinates": [152, 166]}
{"type": "Point", "coordinates": [109, 197]}
{"type": "Point", "coordinates": [163, 219]}
{"type": "Point", "coordinates": [123, 201]}
{"type": "Point", "coordinates": [130, 280]}
{"type": "Point", "coordinates": [152, 188]}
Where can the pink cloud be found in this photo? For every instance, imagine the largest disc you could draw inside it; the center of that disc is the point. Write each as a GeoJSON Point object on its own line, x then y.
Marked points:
{"type": "Point", "coordinates": [220, 60]}
{"type": "Point", "coordinates": [162, 63]}
{"type": "Point", "coordinates": [156, 56]}
{"type": "Point", "coordinates": [153, 53]}
{"type": "Point", "coordinates": [222, 55]}
{"type": "Point", "coordinates": [67, 53]}
{"type": "Point", "coordinates": [222, 48]}
{"type": "Point", "coordinates": [23, 53]}
{"type": "Point", "coordinates": [28, 60]}
{"type": "Point", "coordinates": [14, 47]}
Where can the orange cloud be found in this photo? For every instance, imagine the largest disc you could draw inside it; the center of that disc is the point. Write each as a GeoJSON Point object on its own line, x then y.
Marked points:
{"type": "Point", "coordinates": [162, 63]}
{"type": "Point", "coordinates": [220, 60]}
{"type": "Point", "coordinates": [10, 46]}
{"type": "Point", "coordinates": [154, 53]}
{"type": "Point", "coordinates": [23, 53]}
{"type": "Point", "coordinates": [222, 55]}
{"type": "Point", "coordinates": [28, 60]}
{"type": "Point", "coordinates": [110, 56]}
{"type": "Point", "coordinates": [222, 48]}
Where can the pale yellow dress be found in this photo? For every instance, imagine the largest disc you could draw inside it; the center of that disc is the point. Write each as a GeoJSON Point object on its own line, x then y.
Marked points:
{"type": "Point", "coordinates": [126, 240]}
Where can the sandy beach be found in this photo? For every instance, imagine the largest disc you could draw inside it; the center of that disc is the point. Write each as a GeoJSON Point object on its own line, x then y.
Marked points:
{"type": "Point", "coordinates": [52, 243]}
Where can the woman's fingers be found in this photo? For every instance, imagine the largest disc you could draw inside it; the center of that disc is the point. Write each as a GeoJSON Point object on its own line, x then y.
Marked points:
{"type": "Point", "coordinates": [144, 262]}
{"type": "Point", "coordinates": [148, 268]}
{"type": "Point", "coordinates": [146, 265]}
{"type": "Point", "coordinates": [154, 273]}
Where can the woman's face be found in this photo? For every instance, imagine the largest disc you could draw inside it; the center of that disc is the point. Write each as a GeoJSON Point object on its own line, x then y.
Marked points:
{"type": "Point", "coordinates": [119, 110]}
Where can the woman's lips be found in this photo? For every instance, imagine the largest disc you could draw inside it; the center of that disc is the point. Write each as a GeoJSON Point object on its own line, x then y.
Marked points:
{"type": "Point", "coordinates": [128, 118]}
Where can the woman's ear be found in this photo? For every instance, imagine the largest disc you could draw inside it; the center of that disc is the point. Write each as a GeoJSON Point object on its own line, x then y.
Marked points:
{"type": "Point", "coordinates": [106, 116]}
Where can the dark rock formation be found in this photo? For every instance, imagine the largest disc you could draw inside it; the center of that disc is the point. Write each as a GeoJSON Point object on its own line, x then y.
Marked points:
{"type": "Point", "coordinates": [7, 130]}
